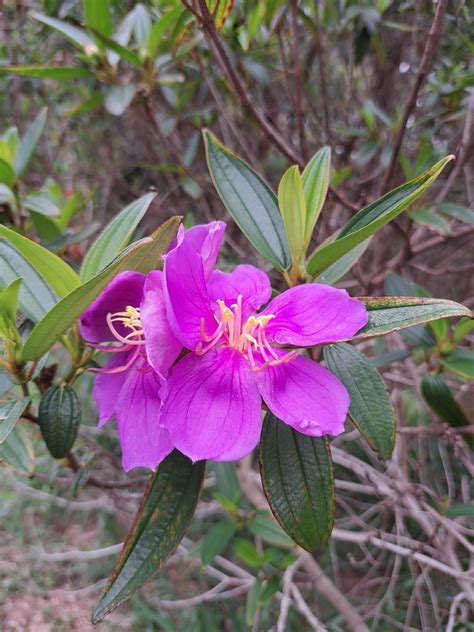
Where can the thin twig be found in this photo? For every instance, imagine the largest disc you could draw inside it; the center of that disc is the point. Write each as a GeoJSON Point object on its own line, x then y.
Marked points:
{"type": "Point", "coordinates": [426, 61]}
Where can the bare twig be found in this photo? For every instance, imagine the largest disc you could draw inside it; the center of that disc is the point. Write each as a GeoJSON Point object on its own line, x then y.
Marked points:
{"type": "Point", "coordinates": [423, 70]}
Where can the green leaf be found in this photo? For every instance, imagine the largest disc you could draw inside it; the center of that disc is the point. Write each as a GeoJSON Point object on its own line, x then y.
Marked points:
{"type": "Point", "coordinates": [252, 601]}
{"type": "Point", "coordinates": [162, 520]}
{"type": "Point", "coordinates": [115, 237]}
{"type": "Point", "coordinates": [9, 301]}
{"type": "Point", "coordinates": [226, 480]}
{"type": "Point", "coordinates": [372, 218]}
{"type": "Point", "coordinates": [316, 176]}
{"type": "Point", "coordinates": [370, 409]}
{"type": "Point", "coordinates": [17, 451]}
{"type": "Point", "coordinates": [298, 481]}
{"type": "Point", "coordinates": [59, 276]}
{"type": "Point", "coordinates": [461, 362]}
{"type": "Point", "coordinates": [217, 539]}
{"type": "Point", "coordinates": [461, 509]}
{"type": "Point", "coordinates": [59, 418]}
{"type": "Point", "coordinates": [292, 206]}
{"type": "Point", "coordinates": [337, 270]}
{"type": "Point", "coordinates": [247, 552]}
{"type": "Point", "coordinates": [48, 72]}
{"type": "Point", "coordinates": [10, 413]}
{"type": "Point", "coordinates": [440, 399]}
{"type": "Point", "coordinates": [249, 200]}
{"type": "Point", "coordinates": [160, 27]}
{"type": "Point", "coordinates": [41, 203]}
{"type": "Point", "coordinates": [97, 15]}
{"type": "Point", "coordinates": [399, 312]}
{"type": "Point", "coordinates": [427, 217]}
{"type": "Point", "coordinates": [7, 174]}
{"type": "Point", "coordinates": [456, 211]}
{"type": "Point", "coordinates": [264, 527]}
{"type": "Point", "coordinates": [124, 53]}
{"type": "Point", "coordinates": [36, 296]}
{"type": "Point", "coordinates": [463, 328]}
{"type": "Point", "coordinates": [29, 142]}
{"type": "Point", "coordinates": [76, 35]}
{"type": "Point", "coordinates": [220, 10]}
{"type": "Point", "coordinates": [7, 196]}
{"type": "Point", "coordinates": [141, 256]}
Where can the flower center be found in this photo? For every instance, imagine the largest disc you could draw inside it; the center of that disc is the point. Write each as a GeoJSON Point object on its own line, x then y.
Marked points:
{"type": "Point", "coordinates": [130, 319]}
{"type": "Point", "coordinates": [132, 341]}
{"type": "Point", "coordinates": [248, 338]}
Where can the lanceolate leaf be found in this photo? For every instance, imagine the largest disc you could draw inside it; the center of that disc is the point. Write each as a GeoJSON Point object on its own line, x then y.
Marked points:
{"type": "Point", "coordinates": [97, 15]}
{"type": "Point", "coordinates": [387, 314]}
{"type": "Point", "coordinates": [461, 362]}
{"type": "Point", "coordinates": [29, 142]}
{"type": "Point", "coordinates": [371, 409]}
{"type": "Point", "coordinates": [293, 211]}
{"type": "Point", "coordinates": [440, 399]}
{"type": "Point", "coordinates": [372, 218]}
{"type": "Point", "coordinates": [249, 200]}
{"type": "Point", "coordinates": [339, 268]}
{"type": "Point", "coordinates": [162, 520]}
{"type": "Point", "coordinates": [52, 268]}
{"type": "Point", "coordinates": [141, 256]}
{"type": "Point", "coordinates": [316, 177]}
{"type": "Point", "coordinates": [298, 481]}
{"type": "Point", "coordinates": [115, 237]}
{"type": "Point", "coordinates": [10, 413]}
{"type": "Point", "coordinates": [36, 296]}
{"type": "Point", "coordinates": [75, 34]}
{"type": "Point", "coordinates": [48, 72]}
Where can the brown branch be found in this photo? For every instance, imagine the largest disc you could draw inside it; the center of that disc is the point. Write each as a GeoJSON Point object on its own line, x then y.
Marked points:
{"type": "Point", "coordinates": [298, 99]}
{"type": "Point", "coordinates": [322, 72]}
{"type": "Point", "coordinates": [426, 61]}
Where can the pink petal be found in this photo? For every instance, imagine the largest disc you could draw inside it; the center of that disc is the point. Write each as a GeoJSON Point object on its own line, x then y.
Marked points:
{"type": "Point", "coordinates": [143, 441]}
{"type": "Point", "coordinates": [206, 239]}
{"type": "Point", "coordinates": [125, 289]}
{"type": "Point", "coordinates": [213, 408]}
{"type": "Point", "coordinates": [187, 301]}
{"type": "Point", "coordinates": [314, 314]}
{"type": "Point", "coordinates": [250, 282]}
{"type": "Point", "coordinates": [306, 396]}
{"type": "Point", "coordinates": [107, 387]}
{"type": "Point", "coordinates": [162, 347]}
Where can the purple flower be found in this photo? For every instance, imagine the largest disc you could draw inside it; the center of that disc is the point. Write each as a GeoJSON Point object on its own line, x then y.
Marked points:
{"type": "Point", "coordinates": [131, 313]}
{"type": "Point", "coordinates": [239, 357]}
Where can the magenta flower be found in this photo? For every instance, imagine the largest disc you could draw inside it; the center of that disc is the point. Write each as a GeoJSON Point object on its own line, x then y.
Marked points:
{"type": "Point", "coordinates": [131, 313]}
{"type": "Point", "coordinates": [239, 357]}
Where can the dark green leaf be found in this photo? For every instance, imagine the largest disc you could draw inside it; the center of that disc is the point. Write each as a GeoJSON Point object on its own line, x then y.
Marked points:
{"type": "Point", "coordinates": [216, 540]}
{"type": "Point", "coordinates": [265, 527]}
{"type": "Point", "coordinates": [17, 451]}
{"type": "Point", "coordinates": [399, 312]}
{"type": "Point", "coordinates": [160, 27]}
{"type": "Point", "coordinates": [252, 602]}
{"type": "Point", "coordinates": [249, 200]}
{"type": "Point", "coordinates": [372, 218]}
{"type": "Point", "coordinates": [115, 237]}
{"type": "Point", "coordinates": [36, 296]}
{"type": "Point", "coordinates": [29, 142]}
{"type": "Point", "coordinates": [10, 413]}
{"type": "Point", "coordinates": [124, 53]}
{"type": "Point", "coordinates": [461, 510]}
{"type": "Point", "coordinates": [298, 481]}
{"type": "Point", "coordinates": [371, 409]}
{"type": "Point", "coordinates": [59, 417]}
{"type": "Point", "coordinates": [162, 520]}
{"type": "Point", "coordinates": [141, 256]}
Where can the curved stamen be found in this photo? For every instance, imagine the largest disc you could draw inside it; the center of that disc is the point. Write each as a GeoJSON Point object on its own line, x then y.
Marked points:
{"type": "Point", "coordinates": [119, 337]}
{"type": "Point", "coordinates": [119, 369]}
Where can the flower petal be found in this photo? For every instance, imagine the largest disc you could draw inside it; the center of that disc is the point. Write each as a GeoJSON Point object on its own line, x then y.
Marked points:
{"type": "Point", "coordinates": [125, 289]}
{"type": "Point", "coordinates": [187, 301]}
{"type": "Point", "coordinates": [162, 347]}
{"type": "Point", "coordinates": [314, 314]}
{"type": "Point", "coordinates": [250, 282]}
{"type": "Point", "coordinates": [306, 396]}
{"type": "Point", "coordinates": [107, 387]}
{"type": "Point", "coordinates": [213, 408]}
{"type": "Point", "coordinates": [143, 441]}
{"type": "Point", "coordinates": [206, 239]}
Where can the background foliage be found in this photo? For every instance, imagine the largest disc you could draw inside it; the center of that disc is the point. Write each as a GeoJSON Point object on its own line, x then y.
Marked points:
{"type": "Point", "coordinates": [103, 100]}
